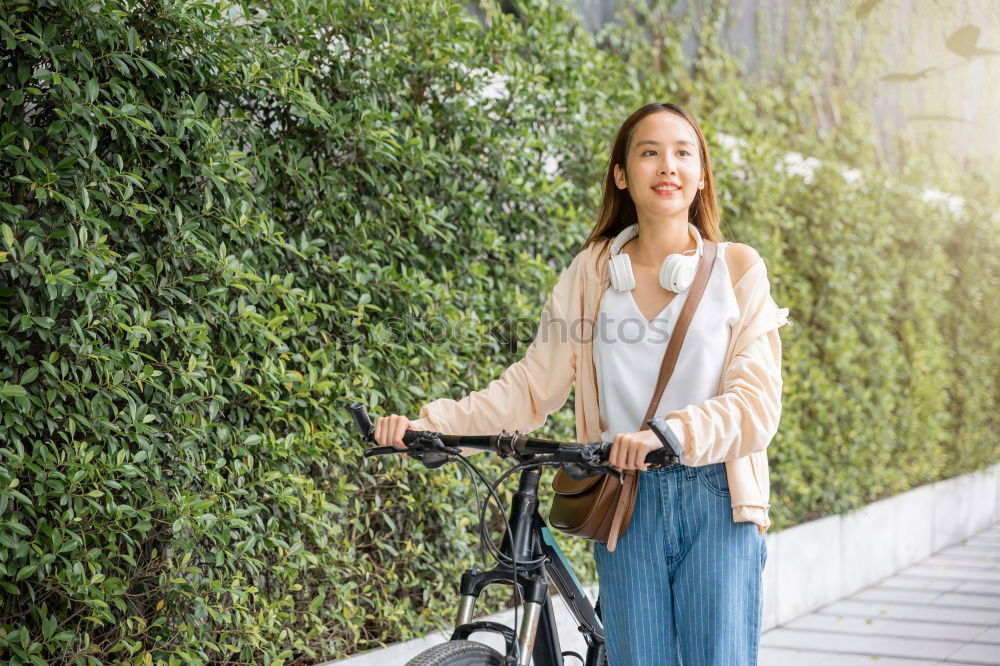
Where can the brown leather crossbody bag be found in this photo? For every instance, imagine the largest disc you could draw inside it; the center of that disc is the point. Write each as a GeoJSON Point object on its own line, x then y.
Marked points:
{"type": "Point", "coordinates": [599, 508]}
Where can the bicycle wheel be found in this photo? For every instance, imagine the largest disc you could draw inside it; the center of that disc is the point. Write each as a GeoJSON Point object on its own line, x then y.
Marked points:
{"type": "Point", "coordinates": [458, 653]}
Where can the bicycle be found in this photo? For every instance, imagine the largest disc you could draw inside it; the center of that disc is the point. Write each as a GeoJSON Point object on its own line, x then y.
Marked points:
{"type": "Point", "coordinates": [528, 556]}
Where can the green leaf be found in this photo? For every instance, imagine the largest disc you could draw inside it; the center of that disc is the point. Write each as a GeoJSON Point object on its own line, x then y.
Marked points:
{"type": "Point", "coordinates": [15, 390]}
{"type": "Point", "coordinates": [93, 88]}
{"type": "Point", "coordinates": [19, 528]}
{"type": "Point", "coordinates": [25, 571]}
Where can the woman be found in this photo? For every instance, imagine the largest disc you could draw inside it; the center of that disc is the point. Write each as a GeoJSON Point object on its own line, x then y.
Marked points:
{"type": "Point", "coordinates": [684, 581]}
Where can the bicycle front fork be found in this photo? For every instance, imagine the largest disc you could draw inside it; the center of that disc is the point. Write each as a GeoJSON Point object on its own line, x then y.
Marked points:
{"type": "Point", "coordinates": [536, 592]}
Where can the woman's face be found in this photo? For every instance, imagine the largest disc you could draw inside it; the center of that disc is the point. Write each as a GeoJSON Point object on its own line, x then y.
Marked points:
{"type": "Point", "coordinates": [664, 149]}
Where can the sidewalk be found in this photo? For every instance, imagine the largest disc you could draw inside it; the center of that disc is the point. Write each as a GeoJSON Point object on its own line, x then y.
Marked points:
{"type": "Point", "coordinates": [944, 609]}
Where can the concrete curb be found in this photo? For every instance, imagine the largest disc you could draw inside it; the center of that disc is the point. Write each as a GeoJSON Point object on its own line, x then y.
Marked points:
{"type": "Point", "coordinates": [823, 560]}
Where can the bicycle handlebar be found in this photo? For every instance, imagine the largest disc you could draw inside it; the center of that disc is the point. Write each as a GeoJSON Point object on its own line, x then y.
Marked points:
{"type": "Point", "coordinates": [580, 460]}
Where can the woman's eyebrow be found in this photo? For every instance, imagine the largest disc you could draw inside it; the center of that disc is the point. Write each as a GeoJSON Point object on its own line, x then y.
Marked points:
{"type": "Point", "coordinates": [656, 143]}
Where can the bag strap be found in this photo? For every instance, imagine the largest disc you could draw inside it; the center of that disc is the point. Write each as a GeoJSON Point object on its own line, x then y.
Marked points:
{"type": "Point", "coordinates": [630, 478]}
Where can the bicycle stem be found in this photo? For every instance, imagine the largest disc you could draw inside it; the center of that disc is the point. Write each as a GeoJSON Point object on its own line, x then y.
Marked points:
{"type": "Point", "coordinates": [522, 509]}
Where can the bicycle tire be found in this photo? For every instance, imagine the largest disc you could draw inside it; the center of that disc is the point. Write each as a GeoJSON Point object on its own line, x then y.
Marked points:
{"type": "Point", "coordinates": [458, 653]}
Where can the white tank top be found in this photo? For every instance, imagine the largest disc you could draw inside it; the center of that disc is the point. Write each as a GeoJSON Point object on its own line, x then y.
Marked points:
{"type": "Point", "coordinates": [628, 351]}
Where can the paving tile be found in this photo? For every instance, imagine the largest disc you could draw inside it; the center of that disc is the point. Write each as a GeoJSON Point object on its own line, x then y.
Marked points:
{"type": "Point", "coordinates": [977, 551]}
{"type": "Point", "coordinates": [874, 660]}
{"type": "Point", "coordinates": [887, 627]}
{"type": "Point", "coordinates": [972, 562]}
{"type": "Point", "coordinates": [833, 641]}
{"type": "Point", "coordinates": [968, 539]}
{"type": "Point", "coordinates": [984, 618]}
{"type": "Point", "coordinates": [977, 653]}
{"type": "Point", "coordinates": [987, 548]}
{"type": "Point", "coordinates": [770, 656]}
{"type": "Point", "coordinates": [959, 562]}
{"type": "Point", "coordinates": [966, 545]}
{"type": "Point", "coordinates": [958, 600]}
{"type": "Point", "coordinates": [967, 554]}
{"type": "Point", "coordinates": [897, 595]}
{"type": "Point", "coordinates": [991, 635]}
{"type": "Point", "coordinates": [960, 556]}
{"type": "Point", "coordinates": [938, 571]}
{"type": "Point", "coordinates": [960, 550]}
{"type": "Point", "coordinates": [921, 583]}
{"type": "Point", "coordinates": [979, 587]}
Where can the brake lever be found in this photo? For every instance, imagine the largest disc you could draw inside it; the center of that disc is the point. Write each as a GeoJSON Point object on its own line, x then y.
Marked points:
{"type": "Point", "coordinates": [431, 443]}
{"type": "Point", "coordinates": [428, 449]}
{"type": "Point", "coordinates": [581, 471]}
{"type": "Point", "coordinates": [433, 459]}
{"type": "Point", "coordinates": [438, 454]}
{"type": "Point", "coordinates": [380, 451]}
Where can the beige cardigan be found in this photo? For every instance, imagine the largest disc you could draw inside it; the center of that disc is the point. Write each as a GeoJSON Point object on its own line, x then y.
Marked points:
{"type": "Point", "coordinates": [734, 427]}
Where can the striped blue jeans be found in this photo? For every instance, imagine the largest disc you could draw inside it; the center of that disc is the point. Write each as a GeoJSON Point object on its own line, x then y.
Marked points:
{"type": "Point", "coordinates": [683, 587]}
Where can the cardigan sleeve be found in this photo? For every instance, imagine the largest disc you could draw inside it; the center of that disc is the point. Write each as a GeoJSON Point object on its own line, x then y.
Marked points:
{"type": "Point", "coordinates": [744, 417]}
{"type": "Point", "coordinates": [528, 390]}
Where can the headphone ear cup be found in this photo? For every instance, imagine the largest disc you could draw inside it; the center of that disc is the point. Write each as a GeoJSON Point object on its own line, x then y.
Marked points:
{"type": "Point", "coordinates": [677, 272]}
{"type": "Point", "coordinates": [620, 269]}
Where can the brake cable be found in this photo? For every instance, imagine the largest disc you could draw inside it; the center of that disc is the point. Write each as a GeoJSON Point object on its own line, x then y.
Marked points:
{"type": "Point", "coordinates": [442, 454]}
{"type": "Point", "coordinates": [518, 596]}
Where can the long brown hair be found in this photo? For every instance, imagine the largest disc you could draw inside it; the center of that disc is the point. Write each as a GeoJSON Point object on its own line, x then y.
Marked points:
{"type": "Point", "coordinates": [617, 209]}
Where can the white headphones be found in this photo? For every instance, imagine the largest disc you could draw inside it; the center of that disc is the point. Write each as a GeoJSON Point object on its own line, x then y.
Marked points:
{"type": "Point", "coordinates": [676, 272]}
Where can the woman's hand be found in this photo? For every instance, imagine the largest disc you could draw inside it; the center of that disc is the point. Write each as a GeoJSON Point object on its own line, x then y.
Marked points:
{"type": "Point", "coordinates": [629, 449]}
{"type": "Point", "coordinates": [389, 430]}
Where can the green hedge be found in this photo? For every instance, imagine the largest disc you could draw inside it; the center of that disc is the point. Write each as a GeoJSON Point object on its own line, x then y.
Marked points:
{"type": "Point", "coordinates": [220, 223]}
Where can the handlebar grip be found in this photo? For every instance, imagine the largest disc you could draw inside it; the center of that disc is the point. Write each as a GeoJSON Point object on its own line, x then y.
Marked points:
{"type": "Point", "coordinates": [364, 423]}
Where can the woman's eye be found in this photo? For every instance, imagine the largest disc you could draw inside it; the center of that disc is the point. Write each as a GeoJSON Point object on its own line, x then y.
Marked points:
{"type": "Point", "coordinates": [679, 151]}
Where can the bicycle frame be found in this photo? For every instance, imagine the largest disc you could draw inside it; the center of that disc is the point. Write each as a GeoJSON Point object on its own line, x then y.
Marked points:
{"type": "Point", "coordinates": [530, 539]}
